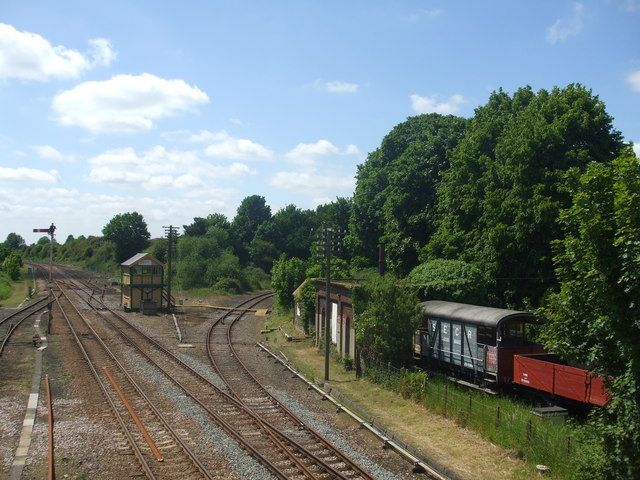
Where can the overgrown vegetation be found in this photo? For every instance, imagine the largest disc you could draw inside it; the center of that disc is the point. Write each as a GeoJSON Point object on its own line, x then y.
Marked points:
{"type": "Point", "coordinates": [561, 446]}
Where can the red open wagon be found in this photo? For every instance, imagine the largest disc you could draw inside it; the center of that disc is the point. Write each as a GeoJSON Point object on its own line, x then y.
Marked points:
{"type": "Point", "coordinates": [545, 372]}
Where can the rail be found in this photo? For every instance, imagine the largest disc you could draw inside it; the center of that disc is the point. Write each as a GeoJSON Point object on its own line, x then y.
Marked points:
{"type": "Point", "coordinates": [419, 466]}
{"type": "Point", "coordinates": [51, 468]}
{"type": "Point", "coordinates": [348, 463]}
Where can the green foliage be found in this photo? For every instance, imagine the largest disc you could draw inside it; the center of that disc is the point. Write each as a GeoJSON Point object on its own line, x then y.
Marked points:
{"type": "Point", "coordinates": [306, 300]}
{"type": "Point", "coordinates": [252, 212]}
{"type": "Point", "coordinates": [289, 231]}
{"type": "Point", "coordinates": [386, 321]}
{"type": "Point", "coordinates": [595, 316]}
{"type": "Point", "coordinates": [568, 450]}
{"type": "Point", "coordinates": [451, 280]}
{"type": "Point", "coordinates": [286, 276]}
{"type": "Point", "coordinates": [6, 286]}
{"type": "Point", "coordinates": [128, 232]}
{"type": "Point", "coordinates": [14, 241]}
{"type": "Point", "coordinates": [395, 196]}
{"type": "Point", "coordinates": [158, 248]}
{"type": "Point", "coordinates": [209, 261]}
{"type": "Point", "coordinates": [501, 197]}
{"type": "Point", "coordinates": [11, 265]}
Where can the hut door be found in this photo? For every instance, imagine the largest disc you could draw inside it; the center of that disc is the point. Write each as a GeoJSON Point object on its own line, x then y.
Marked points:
{"type": "Point", "coordinates": [347, 336]}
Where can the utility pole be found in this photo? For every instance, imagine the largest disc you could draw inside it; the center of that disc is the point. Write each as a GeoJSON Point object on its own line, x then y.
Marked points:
{"type": "Point", "coordinates": [329, 242]}
{"type": "Point", "coordinates": [172, 233]}
{"type": "Point", "coordinates": [51, 232]}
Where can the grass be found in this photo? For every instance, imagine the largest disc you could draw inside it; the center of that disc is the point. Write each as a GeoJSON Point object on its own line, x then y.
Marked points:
{"type": "Point", "coordinates": [461, 448]}
{"type": "Point", "coordinates": [17, 291]}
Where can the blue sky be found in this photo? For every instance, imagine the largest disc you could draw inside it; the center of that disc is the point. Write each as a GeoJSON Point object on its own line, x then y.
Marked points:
{"type": "Point", "coordinates": [182, 109]}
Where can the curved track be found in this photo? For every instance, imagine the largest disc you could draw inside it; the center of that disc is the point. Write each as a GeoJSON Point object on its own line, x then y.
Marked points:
{"type": "Point", "coordinates": [9, 324]}
{"type": "Point", "coordinates": [246, 388]}
{"type": "Point", "coordinates": [276, 449]}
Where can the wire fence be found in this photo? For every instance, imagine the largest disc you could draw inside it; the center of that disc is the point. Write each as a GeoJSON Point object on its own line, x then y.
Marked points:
{"type": "Point", "coordinates": [503, 420]}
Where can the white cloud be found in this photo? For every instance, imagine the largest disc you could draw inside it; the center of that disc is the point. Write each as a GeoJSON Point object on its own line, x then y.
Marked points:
{"type": "Point", "coordinates": [125, 103]}
{"type": "Point", "coordinates": [159, 168]}
{"type": "Point", "coordinates": [633, 79]}
{"type": "Point", "coordinates": [352, 150]}
{"type": "Point", "coordinates": [420, 14]}
{"type": "Point", "coordinates": [308, 154]}
{"type": "Point", "coordinates": [433, 105]}
{"type": "Point", "coordinates": [338, 86]}
{"type": "Point", "coordinates": [102, 51]}
{"type": "Point", "coordinates": [307, 182]}
{"type": "Point", "coordinates": [227, 147]}
{"type": "Point", "coordinates": [30, 56]}
{"type": "Point", "coordinates": [28, 175]}
{"type": "Point", "coordinates": [636, 148]}
{"type": "Point", "coordinates": [47, 152]}
{"type": "Point", "coordinates": [568, 27]}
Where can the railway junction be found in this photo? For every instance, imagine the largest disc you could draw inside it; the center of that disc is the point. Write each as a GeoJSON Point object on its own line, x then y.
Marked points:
{"type": "Point", "coordinates": [130, 399]}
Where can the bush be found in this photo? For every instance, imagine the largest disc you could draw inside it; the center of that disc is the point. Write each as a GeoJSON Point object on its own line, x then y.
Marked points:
{"type": "Point", "coordinates": [387, 320]}
{"type": "Point", "coordinates": [451, 280]}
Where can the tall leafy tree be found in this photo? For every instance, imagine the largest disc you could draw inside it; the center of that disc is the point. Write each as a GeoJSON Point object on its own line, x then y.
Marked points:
{"type": "Point", "coordinates": [252, 212]}
{"type": "Point", "coordinates": [500, 199]}
{"type": "Point", "coordinates": [395, 196]}
{"type": "Point", "coordinates": [594, 318]}
{"type": "Point", "coordinates": [128, 232]}
{"type": "Point", "coordinates": [197, 228]}
{"type": "Point", "coordinates": [289, 231]}
{"type": "Point", "coordinates": [14, 241]}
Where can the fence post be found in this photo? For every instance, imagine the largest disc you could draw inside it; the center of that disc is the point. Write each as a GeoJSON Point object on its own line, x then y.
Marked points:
{"type": "Point", "coordinates": [497, 416]}
{"type": "Point", "coordinates": [469, 409]}
{"type": "Point", "coordinates": [529, 430]}
{"type": "Point", "coordinates": [567, 445]}
{"type": "Point", "coordinates": [446, 394]}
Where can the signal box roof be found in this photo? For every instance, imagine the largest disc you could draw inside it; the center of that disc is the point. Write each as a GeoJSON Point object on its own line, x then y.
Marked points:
{"type": "Point", "coordinates": [474, 314]}
{"type": "Point", "coordinates": [141, 259]}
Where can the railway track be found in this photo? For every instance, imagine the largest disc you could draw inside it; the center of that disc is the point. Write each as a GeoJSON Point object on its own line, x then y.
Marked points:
{"type": "Point", "coordinates": [9, 324]}
{"type": "Point", "coordinates": [245, 387]}
{"type": "Point", "coordinates": [137, 416]}
{"type": "Point", "coordinates": [276, 448]}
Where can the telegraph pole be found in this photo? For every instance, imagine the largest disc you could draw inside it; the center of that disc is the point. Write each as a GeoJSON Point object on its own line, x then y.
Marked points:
{"type": "Point", "coordinates": [51, 232]}
{"type": "Point", "coordinates": [328, 242]}
{"type": "Point", "coordinates": [172, 233]}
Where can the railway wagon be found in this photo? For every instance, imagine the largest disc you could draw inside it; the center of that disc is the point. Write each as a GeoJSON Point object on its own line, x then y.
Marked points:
{"type": "Point", "coordinates": [475, 341]}
{"type": "Point", "coordinates": [548, 373]}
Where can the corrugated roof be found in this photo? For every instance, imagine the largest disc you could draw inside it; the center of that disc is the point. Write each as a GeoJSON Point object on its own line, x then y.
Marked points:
{"type": "Point", "coordinates": [139, 256]}
{"type": "Point", "coordinates": [474, 314]}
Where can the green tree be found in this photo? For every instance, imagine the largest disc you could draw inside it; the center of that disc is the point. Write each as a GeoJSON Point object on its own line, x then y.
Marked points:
{"type": "Point", "coordinates": [286, 276]}
{"type": "Point", "coordinates": [500, 199]}
{"type": "Point", "coordinates": [289, 231]}
{"type": "Point", "coordinates": [128, 232]}
{"type": "Point", "coordinates": [386, 321]}
{"type": "Point", "coordinates": [11, 265]}
{"type": "Point", "coordinates": [594, 318]}
{"type": "Point", "coordinates": [14, 241]}
{"type": "Point", "coordinates": [158, 248]}
{"type": "Point", "coordinates": [197, 228]}
{"type": "Point", "coordinates": [252, 212]}
{"type": "Point", "coordinates": [451, 280]}
{"type": "Point", "coordinates": [395, 196]}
